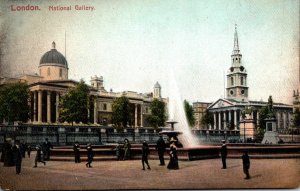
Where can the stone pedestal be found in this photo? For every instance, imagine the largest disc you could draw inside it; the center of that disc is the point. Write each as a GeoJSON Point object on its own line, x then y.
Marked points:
{"type": "Point", "coordinates": [103, 136]}
{"type": "Point", "coordinates": [247, 129]}
{"type": "Point", "coordinates": [62, 137]}
{"type": "Point", "coordinates": [271, 135]}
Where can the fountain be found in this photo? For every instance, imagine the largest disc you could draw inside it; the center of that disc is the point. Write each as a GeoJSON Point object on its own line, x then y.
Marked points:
{"type": "Point", "coordinates": [171, 133]}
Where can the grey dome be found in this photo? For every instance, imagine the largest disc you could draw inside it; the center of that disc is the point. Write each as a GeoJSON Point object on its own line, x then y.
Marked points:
{"type": "Point", "coordinates": [53, 57]}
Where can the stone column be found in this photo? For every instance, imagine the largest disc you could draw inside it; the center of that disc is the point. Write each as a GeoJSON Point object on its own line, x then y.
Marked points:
{"type": "Point", "coordinates": [215, 120]}
{"type": "Point", "coordinates": [95, 112]}
{"type": "Point", "coordinates": [284, 120]}
{"type": "Point", "coordinates": [135, 115]}
{"type": "Point", "coordinates": [229, 116]}
{"type": "Point", "coordinates": [34, 106]}
{"type": "Point", "coordinates": [224, 120]}
{"type": "Point", "coordinates": [235, 119]}
{"type": "Point", "coordinates": [142, 123]}
{"type": "Point", "coordinates": [257, 118]}
{"type": "Point", "coordinates": [278, 116]}
{"type": "Point", "coordinates": [40, 106]}
{"type": "Point", "coordinates": [289, 120]}
{"type": "Point", "coordinates": [48, 106]}
{"type": "Point", "coordinates": [219, 120]}
{"type": "Point", "coordinates": [57, 107]}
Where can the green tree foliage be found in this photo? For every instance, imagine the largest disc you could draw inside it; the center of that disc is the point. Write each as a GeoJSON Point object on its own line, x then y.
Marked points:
{"type": "Point", "coordinates": [189, 112]}
{"type": "Point", "coordinates": [207, 119]}
{"type": "Point", "coordinates": [121, 112]}
{"type": "Point", "coordinates": [14, 102]}
{"type": "Point", "coordinates": [74, 104]}
{"type": "Point", "coordinates": [158, 113]}
{"type": "Point", "coordinates": [297, 118]}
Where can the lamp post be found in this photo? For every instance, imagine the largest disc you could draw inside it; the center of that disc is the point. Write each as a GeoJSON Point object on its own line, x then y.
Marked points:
{"type": "Point", "coordinates": [243, 117]}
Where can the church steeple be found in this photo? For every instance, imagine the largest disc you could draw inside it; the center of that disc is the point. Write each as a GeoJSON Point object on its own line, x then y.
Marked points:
{"type": "Point", "coordinates": [237, 75]}
{"type": "Point", "coordinates": [236, 49]}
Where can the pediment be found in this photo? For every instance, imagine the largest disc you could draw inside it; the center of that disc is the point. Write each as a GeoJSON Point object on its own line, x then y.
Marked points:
{"type": "Point", "coordinates": [220, 104]}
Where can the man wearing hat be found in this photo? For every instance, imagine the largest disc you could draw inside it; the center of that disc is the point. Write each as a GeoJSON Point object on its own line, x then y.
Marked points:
{"type": "Point", "coordinates": [17, 156]}
{"type": "Point", "coordinates": [224, 154]}
{"type": "Point", "coordinates": [90, 155]}
{"type": "Point", "coordinates": [161, 147]}
{"type": "Point", "coordinates": [246, 164]}
{"type": "Point", "coordinates": [76, 149]}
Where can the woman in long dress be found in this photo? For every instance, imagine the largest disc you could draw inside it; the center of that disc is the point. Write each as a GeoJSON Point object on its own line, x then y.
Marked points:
{"type": "Point", "coordinates": [173, 163]}
{"type": "Point", "coordinates": [127, 148]}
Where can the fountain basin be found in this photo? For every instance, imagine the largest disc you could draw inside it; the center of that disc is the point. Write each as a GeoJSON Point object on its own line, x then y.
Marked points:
{"type": "Point", "coordinates": [259, 151]}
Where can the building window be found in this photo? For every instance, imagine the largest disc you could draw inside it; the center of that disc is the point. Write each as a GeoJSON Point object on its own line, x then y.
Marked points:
{"type": "Point", "coordinates": [242, 80]}
{"type": "Point", "coordinates": [48, 72]}
{"type": "Point", "coordinates": [231, 81]}
{"type": "Point", "coordinates": [60, 72]}
{"type": "Point", "coordinates": [104, 106]}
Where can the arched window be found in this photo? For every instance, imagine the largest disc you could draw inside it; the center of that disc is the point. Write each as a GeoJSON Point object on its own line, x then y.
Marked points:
{"type": "Point", "coordinates": [242, 80]}
{"type": "Point", "coordinates": [231, 81]}
{"type": "Point", "coordinates": [60, 72]}
{"type": "Point", "coordinates": [48, 72]}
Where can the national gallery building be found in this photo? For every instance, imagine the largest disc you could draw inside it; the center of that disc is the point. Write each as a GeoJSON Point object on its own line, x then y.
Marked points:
{"type": "Point", "coordinates": [47, 88]}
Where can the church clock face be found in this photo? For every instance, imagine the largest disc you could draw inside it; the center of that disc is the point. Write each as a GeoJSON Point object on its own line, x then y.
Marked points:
{"type": "Point", "coordinates": [243, 92]}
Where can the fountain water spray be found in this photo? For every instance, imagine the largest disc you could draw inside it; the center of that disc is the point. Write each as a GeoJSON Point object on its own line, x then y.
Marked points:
{"type": "Point", "coordinates": [176, 112]}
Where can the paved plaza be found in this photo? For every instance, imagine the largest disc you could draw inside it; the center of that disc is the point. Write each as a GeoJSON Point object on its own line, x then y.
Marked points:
{"type": "Point", "coordinates": [201, 174]}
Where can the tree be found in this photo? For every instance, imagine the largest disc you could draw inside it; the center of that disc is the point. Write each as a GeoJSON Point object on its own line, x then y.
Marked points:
{"type": "Point", "coordinates": [74, 104]}
{"type": "Point", "coordinates": [121, 112]}
{"type": "Point", "coordinates": [14, 102]}
{"type": "Point", "coordinates": [189, 112]}
{"type": "Point", "coordinates": [158, 113]}
{"type": "Point", "coordinates": [207, 119]}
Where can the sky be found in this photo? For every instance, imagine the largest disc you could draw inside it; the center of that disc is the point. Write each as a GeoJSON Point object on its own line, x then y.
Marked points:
{"type": "Point", "coordinates": [133, 44]}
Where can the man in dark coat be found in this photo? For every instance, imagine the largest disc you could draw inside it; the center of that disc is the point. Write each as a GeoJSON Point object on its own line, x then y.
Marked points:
{"type": "Point", "coordinates": [76, 149]}
{"type": "Point", "coordinates": [161, 147]}
{"type": "Point", "coordinates": [90, 155]}
{"type": "Point", "coordinates": [46, 149]}
{"type": "Point", "coordinates": [17, 150]}
{"type": "Point", "coordinates": [246, 164]}
{"type": "Point", "coordinates": [224, 154]}
{"type": "Point", "coordinates": [127, 149]}
{"type": "Point", "coordinates": [145, 153]}
{"type": "Point", "coordinates": [23, 148]}
{"type": "Point", "coordinates": [8, 157]}
{"type": "Point", "coordinates": [38, 157]}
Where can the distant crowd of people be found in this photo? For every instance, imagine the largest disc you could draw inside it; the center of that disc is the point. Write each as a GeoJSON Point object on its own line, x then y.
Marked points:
{"type": "Point", "coordinates": [14, 152]}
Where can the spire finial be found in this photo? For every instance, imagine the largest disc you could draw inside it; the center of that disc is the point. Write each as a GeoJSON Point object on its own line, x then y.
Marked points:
{"type": "Point", "coordinates": [236, 48]}
{"type": "Point", "coordinates": [53, 45]}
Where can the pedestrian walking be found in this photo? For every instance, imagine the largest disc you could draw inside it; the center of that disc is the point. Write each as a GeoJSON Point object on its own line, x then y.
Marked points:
{"type": "Point", "coordinates": [90, 155]}
{"type": "Point", "coordinates": [224, 154]}
{"type": "Point", "coordinates": [246, 164]}
{"type": "Point", "coordinates": [8, 157]}
{"type": "Point", "coordinates": [127, 149]}
{"type": "Point", "coordinates": [145, 153]}
{"type": "Point", "coordinates": [23, 147]}
{"type": "Point", "coordinates": [39, 156]}
{"type": "Point", "coordinates": [28, 151]}
{"type": "Point", "coordinates": [47, 146]}
{"type": "Point", "coordinates": [17, 151]}
{"type": "Point", "coordinates": [161, 147]}
{"type": "Point", "coordinates": [76, 149]}
{"type": "Point", "coordinates": [173, 163]}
